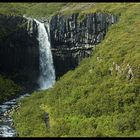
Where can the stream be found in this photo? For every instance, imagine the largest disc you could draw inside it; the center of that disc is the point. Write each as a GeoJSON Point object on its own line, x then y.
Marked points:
{"type": "Point", "coordinates": [46, 80]}
{"type": "Point", "coordinates": [6, 122]}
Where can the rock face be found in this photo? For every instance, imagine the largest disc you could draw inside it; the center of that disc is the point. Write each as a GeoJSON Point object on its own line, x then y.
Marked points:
{"type": "Point", "coordinates": [47, 120]}
{"type": "Point", "coordinates": [19, 55]}
{"type": "Point", "coordinates": [72, 38]}
{"type": "Point", "coordinates": [73, 35]}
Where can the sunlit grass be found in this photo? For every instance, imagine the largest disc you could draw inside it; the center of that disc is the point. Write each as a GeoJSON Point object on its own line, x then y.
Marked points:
{"type": "Point", "coordinates": [88, 101]}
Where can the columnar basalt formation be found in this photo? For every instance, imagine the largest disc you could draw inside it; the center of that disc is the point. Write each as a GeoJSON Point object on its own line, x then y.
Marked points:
{"type": "Point", "coordinates": [74, 36]}
{"type": "Point", "coordinates": [19, 55]}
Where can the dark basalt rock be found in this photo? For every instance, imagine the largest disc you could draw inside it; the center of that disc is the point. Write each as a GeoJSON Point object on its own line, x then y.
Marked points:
{"type": "Point", "coordinates": [47, 119]}
{"type": "Point", "coordinates": [72, 39]}
{"type": "Point", "coordinates": [19, 51]}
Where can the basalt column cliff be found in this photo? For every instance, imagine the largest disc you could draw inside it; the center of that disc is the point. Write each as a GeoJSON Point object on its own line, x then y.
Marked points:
{"type": "Point", "coordinates": [74, 36]}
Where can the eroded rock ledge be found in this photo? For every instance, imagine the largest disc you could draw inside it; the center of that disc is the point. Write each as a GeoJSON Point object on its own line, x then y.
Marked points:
{"type": "Point", "coordinates": [74, 36]}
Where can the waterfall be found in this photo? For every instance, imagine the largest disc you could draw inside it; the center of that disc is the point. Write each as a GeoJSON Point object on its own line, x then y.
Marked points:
{"type": "Point", "coordinates": [47, 72]}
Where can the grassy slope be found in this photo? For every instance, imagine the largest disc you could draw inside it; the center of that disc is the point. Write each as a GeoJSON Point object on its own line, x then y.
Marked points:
{"type": "Point", "coordinates": [30, 9]}
{"type": "Point", "coordinates": [88, 101]}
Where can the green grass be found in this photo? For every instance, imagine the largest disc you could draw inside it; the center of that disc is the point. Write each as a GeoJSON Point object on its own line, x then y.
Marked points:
{"type": "Point", "coordinates": [89, 101]}
{"type": "Point", "coordinates": [8, 89]}
{"type": "Point", "coordinates": [30, 9]}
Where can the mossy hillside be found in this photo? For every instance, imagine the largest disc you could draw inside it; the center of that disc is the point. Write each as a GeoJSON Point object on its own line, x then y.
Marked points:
{"type": "Point", "coordinates": [8, 89]}
{"type": "Point", "coordinates": [30, 9]}
{"type": "Point", "coordinates": [92, 100]}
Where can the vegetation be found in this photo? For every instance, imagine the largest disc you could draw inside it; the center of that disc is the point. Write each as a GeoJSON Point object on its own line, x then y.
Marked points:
{"type": "Point", "coordinates": [95, 99]}
{"type": "Point", "coordinates": [8, 89]}
{"type": "Point", "coordinates": [30, 9]}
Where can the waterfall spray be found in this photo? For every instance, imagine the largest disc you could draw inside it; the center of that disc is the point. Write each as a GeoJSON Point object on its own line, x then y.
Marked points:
{"type": "Point", "coordinates": [47, 72]}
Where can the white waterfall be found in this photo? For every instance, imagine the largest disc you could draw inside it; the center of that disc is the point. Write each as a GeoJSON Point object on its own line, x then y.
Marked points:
{"type": "Point", "coordinates": [47, 72]}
